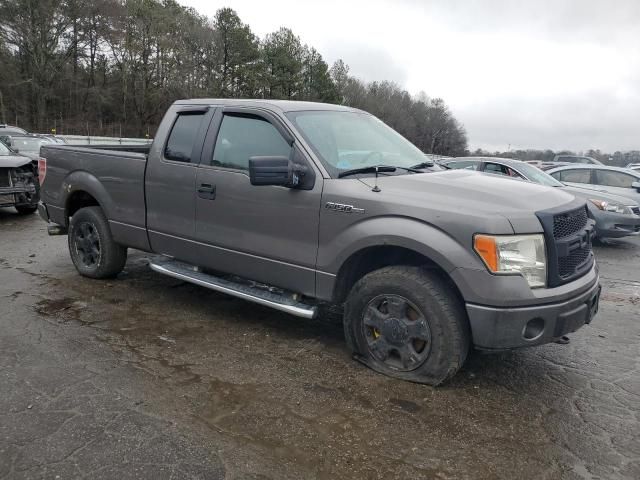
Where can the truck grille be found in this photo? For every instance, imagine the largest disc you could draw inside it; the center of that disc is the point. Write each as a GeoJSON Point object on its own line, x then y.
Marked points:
{"type": "Point", "coordinates": [568, 235]}
{"type": "Point", "coordinates": [567, 224]}
{"type": "Point", "coordinates": [568, 265]}
{"type": "Point", "coordinates": [5, 179]}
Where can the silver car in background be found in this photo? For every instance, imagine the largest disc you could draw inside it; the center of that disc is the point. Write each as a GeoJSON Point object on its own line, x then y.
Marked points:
{"type": "Point", "coordinates": [602, 178]}
{"type": "Point", "coordinates": [616, 216]}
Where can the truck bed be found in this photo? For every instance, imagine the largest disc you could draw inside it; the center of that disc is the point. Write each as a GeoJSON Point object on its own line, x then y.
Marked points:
{"type": "Point", "coordinates": [114, 172]}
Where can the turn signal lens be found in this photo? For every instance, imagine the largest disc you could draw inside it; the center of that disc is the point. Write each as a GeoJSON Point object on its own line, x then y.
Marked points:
{"type": "Point", "coordinates": [486, 247]}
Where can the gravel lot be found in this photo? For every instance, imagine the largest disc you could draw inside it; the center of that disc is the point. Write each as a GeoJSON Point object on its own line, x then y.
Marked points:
{"type": "Point", "coordinates": [149, 377]}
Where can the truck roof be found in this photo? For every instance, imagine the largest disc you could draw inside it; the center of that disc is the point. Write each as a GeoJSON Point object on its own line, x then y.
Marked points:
{"type": "Point", "coordinates": [282, 105]}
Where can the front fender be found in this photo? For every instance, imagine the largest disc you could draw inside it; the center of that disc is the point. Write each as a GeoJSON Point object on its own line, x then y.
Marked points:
{"type": "Point", "coordinates": [405, 232]}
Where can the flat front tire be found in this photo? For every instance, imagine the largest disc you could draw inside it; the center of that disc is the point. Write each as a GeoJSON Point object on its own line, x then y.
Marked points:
{"type": "Point", "coordinates": [91, 246]}
{"type": "Point", "coordinates": [406, 322]}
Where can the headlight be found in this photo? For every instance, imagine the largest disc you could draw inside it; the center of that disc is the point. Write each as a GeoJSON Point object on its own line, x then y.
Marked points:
{"type": "Point", "coordinates": [509, 254]}
{"type": "Point", "coordinates": [611, 206]}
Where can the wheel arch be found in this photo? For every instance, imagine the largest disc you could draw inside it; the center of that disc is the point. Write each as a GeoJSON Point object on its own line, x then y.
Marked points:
{"type": "Point", "coordinates": [387, 241]}
{"type": "Point", "coordinates": [375, 257]}
{"type": "Point", "coordinates": [84, 190]}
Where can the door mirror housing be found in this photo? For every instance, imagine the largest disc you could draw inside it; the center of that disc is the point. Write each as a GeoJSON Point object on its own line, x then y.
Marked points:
{"type": "Point", "coordinates": [275, 170]}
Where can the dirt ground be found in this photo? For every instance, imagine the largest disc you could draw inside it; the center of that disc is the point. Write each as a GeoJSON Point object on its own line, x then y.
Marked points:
{"type": "Point", "coordinates": [148, 377]}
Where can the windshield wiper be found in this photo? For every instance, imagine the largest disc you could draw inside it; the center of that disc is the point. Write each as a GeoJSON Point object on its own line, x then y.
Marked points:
{"type": "Point", "coordinates": [423, 165]}
{"type": "Point", "coordinates": [373, 169]}
{"type": "Point", "coordinates": [377, 169]}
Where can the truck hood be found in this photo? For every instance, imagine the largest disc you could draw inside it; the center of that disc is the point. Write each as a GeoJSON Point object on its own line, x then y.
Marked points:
{"type": "Point", "coordinates": [459, 202]}
{"type": "Point", "coordinates": [13, 161]}
{"type": "Point", "coordinates": [474, 191]}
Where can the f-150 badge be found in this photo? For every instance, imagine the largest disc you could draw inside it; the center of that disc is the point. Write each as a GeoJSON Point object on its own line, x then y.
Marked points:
{"type": "Point", "coordinates": [341, 207]}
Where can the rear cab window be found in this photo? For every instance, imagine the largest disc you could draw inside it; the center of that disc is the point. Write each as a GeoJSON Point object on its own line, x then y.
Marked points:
{"type": "Point", "coordinates": [179, 147]}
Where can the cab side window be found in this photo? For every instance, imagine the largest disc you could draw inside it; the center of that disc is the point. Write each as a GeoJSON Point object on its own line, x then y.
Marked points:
{"type": "Point", "coordinates": [182, 137]}
{"type": "Point", "coordinates": [576, 176]}
{"type": "Point", "coordinates": [241, 137]}
{"type": "Point", "coordinates": [613, 179]}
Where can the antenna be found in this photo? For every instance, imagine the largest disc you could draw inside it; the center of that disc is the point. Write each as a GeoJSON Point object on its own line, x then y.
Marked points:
{"type": "Point", "coordinates": [375, 187]}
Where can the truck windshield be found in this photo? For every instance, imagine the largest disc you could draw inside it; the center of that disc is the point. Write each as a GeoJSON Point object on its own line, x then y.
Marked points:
{"type": "Point", "coordinates": [348, 140]}
{"type": "Point", "coordinates": [4, 150]}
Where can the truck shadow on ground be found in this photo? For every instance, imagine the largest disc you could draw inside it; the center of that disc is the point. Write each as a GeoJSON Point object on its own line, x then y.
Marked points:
{"type": "Point", "coordinates": [10, 215]}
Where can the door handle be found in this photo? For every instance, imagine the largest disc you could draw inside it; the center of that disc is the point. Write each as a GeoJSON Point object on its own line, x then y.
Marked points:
{"type": "Point", "coordinates": [207, 191]}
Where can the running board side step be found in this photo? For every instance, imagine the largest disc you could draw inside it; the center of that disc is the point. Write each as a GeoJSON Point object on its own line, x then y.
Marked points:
{"type": "Point", "coordinates": [188, 273]}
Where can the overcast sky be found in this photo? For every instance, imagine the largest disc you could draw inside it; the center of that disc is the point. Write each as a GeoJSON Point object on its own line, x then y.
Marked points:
{"type": "Point", "coordinates": [530, 73]}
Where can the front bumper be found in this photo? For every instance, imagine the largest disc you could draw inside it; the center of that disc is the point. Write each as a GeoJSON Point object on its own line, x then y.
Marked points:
{"type": "Point", "coordinates": [16, 195]}
{"type": "Point", "coordinates": [616, 225]}
{"type": "Point", "coordinates": [495, 328]}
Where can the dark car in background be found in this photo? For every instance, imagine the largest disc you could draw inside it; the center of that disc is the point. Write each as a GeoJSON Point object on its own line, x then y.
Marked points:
{"type": "Point", "coordinates": [616, 216]}
{"type": "Point", "coordinates": [19, 186]}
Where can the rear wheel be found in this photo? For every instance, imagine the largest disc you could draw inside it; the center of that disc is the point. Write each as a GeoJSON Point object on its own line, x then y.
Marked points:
{"type": "Point", "coordinates": [407, 323]}
{"type": "Point", "coordinates": [92, 249]}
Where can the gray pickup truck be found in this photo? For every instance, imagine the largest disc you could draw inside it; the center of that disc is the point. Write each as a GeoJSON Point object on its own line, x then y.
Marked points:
{"type": "Point", "coordinates": [298, 205]}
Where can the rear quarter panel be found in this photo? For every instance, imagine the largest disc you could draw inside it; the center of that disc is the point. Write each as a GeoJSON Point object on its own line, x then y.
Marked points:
{"type": "Point", "coordinates": [115, 180]}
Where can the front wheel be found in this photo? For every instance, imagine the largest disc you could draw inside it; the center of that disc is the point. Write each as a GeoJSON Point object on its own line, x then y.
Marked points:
{"type": "Point", "coordinates": [93, 250]}
{"type": "Point", "coordinates": [407, 323]}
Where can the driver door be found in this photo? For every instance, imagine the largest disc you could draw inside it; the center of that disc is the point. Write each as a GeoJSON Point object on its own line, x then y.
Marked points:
{"type": "Point", "coordinates": [264, 233]}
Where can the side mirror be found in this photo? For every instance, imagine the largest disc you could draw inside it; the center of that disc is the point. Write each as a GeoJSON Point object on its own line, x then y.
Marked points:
{"type": "Point", "coordinates": [275, 171]}
{"type": "Point", "coordinates": [636, 185]}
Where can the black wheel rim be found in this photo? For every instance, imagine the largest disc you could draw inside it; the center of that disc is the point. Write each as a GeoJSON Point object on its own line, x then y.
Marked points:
{"type": "Point", "coordinates": [87, 244]}
{"type": "Point", "coordinates": [397, 333]}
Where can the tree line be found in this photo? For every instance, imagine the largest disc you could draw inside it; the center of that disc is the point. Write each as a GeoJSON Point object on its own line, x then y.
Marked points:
{"type": "Point", "coordinates": [112, 67]}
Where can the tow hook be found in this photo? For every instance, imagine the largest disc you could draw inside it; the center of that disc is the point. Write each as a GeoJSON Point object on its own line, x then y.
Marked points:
{"type": "Point", "coordinates": [563, 340]}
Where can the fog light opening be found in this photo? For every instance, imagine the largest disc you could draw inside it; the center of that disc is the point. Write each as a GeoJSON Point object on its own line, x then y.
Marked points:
{"type": "Point", "coordinates": [533, 329]}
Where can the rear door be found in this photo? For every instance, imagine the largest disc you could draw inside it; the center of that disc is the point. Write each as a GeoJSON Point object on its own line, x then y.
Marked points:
{"type": "Point", "coordinates": [616, 182]}
{"type": "Point", "coordinates": [171, 179]}
{"type": "Point", "coordinates": [264, 233]}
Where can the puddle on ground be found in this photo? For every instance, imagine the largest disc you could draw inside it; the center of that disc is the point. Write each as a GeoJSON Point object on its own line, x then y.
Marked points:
{"type": "Point", "coordinates": [65, 309]}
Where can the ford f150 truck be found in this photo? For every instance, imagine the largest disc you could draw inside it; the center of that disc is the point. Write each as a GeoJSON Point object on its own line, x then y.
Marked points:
{"type": "Point", "coordinates": [295, 205]}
